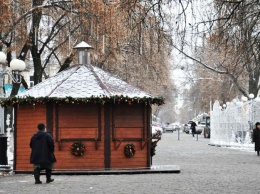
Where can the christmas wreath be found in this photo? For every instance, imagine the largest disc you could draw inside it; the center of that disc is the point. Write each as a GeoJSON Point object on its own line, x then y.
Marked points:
{"type": "Point", "coordinates": [129, 150]}
{"type": "Point", "coordinates": [77, 148]}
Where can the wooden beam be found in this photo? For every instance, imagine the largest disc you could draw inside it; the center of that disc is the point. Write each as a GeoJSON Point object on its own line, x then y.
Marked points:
{"type": "Point", "coordinates": [107, 130]}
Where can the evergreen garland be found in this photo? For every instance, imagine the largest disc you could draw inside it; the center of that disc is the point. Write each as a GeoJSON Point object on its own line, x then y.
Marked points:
{"type": "Point", "coordinates": [28, 100]}
{"type": "Point", "coordinates": [153, 145]}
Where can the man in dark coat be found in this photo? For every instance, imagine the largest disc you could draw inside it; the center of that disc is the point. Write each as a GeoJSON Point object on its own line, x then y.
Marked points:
{"type": "Point", "coordinates": [42, 155]}
{"type": "Point", "coordinates": [256, 137]}
{"type": "Point", "coordinates": [193, 126]}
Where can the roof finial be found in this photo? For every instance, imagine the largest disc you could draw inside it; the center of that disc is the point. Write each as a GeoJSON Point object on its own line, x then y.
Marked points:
{"type": "Point", "coordinates": [83, 52]}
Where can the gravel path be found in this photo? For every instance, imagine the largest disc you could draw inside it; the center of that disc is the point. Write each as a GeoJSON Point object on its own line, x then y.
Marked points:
{"type": "Point", "coordinates": [204, 169]}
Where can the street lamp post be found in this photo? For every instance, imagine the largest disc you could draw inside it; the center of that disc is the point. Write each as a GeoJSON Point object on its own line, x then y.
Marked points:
{"type": "Point", "coordinates": [16, 66]}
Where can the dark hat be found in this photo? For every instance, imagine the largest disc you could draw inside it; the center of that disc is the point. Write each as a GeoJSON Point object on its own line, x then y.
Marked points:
{"type": "Point", "coordinates": [41, 126]}
{"type": "Point", "coordinates": [257, 123]}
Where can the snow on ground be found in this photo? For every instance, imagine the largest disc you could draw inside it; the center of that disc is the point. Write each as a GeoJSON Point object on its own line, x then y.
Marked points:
{"type": "Point", "coordinates": [245, 147]}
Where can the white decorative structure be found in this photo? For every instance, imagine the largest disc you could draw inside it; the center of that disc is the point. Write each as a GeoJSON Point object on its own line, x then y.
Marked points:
{"type": "Point", "coordinates": [233, 125]}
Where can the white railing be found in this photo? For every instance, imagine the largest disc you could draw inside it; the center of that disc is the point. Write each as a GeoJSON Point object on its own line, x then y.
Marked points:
{"type": "Point", "coordinates": [232, 124]}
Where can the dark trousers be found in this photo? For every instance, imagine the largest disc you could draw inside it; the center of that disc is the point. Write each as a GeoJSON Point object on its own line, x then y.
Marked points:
{"type": "Point", "coordinates": [37, 173]}
{"type": "Point", "coordinates": [193, 133]}
{"type": "Point", "coordinates": [38, 168]}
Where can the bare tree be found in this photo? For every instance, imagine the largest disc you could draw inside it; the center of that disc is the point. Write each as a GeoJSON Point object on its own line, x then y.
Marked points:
{"type": "Point", "coordinates": [230, 31]}
{"type": "Point", "coordinates": [128, 36]}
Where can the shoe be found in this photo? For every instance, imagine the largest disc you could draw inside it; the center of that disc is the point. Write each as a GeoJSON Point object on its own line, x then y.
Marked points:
{"type": "Point", "coordinates": [38, 182]}
{"type": "Point", "coordinates": [49, 180]}
{"type": "Point", "coordinates": [36, 174]}
{"type": "Point", "coordinates": [48, 176]}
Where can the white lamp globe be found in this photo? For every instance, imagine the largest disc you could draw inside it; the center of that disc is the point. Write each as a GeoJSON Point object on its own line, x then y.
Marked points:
{"type": "Point", "coordinates": [251, 96]}
{"type": "Point", "coordinates": [2, 57]}
{"type": "Point", "coordinates": [17, 65]}
{"type": "Point", "coordinates": [244, 99]}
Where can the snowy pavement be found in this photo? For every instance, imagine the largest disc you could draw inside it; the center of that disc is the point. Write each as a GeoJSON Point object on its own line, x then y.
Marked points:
{"type": "Point", "coordinates": [204, 169]}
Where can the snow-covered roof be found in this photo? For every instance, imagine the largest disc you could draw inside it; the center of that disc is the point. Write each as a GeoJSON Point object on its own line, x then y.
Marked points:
{"type": "Point", "coordinates": [83, 81]}
{"type": "Point", "coordinates": [82, 45]}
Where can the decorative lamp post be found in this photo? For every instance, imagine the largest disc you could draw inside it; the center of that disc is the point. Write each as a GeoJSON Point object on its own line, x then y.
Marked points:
{"type": "Point", "coordinates": [83, 52]}
{"type": "Point", "coordinates": [16, 66]}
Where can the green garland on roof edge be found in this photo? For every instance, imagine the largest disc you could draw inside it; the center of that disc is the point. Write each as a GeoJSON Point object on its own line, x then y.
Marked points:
{"type": "Point", "coordinates": [12, 101]}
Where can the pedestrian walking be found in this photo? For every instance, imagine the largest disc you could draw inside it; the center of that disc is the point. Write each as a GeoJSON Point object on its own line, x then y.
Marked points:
{"type": "Point", "coordinates": [256, 137]}
{"type": "Point", "coordinates": [42, 153]}
{"type": "Point", "coordinates": [193, 126]}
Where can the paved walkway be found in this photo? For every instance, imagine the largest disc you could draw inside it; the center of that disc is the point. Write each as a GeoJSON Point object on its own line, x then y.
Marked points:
{"type": "Point", "coordinates": [204, 169]}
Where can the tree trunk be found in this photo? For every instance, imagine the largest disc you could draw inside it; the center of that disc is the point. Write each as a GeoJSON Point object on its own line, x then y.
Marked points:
{"type": "Point", "coordinates": [37, 69]}
{"type": "Point", "coordinates": [36, 18]}
{"type": "Point", "coordinates": [253, 83]}
{"type": "Point", "coordinates": [67, 62]}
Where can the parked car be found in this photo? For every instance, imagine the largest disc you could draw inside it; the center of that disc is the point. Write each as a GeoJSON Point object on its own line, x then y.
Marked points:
{"type": "Point", "coordinates": [163, 125]}
{"type": "Point", "coordinates": [183, 127]}
{"type": "Point", "coordinates": [187, 128]}
{"type": "Point", "coordinates": [177, 126]}
{"type": "Point", "coordinates": [200, 127]}
{"type": "Point", "coordinates": [156, 130]}
{"type": "Point", "coordinates": [172, 127]}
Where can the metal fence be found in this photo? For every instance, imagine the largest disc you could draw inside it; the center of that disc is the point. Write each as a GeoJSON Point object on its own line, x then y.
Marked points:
{"type": "Point", "coordinates": [232, 124]}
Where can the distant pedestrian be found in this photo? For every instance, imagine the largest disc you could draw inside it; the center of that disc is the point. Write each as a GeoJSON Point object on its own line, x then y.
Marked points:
{"type": "Point", "coordinates": [193, 126]}
{"type": "Point", "coordinates": [42, 155]}
{"type": "Point", "coordinates": [256, 137]}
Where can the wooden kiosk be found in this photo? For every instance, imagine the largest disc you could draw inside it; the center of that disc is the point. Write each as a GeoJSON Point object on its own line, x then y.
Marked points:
{"type": "Point", "coordinates": [88, 105]}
